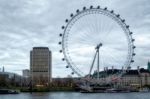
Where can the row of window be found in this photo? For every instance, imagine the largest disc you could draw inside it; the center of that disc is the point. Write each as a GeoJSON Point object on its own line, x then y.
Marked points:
{"type": "Point", "coordinates": [40, 71]}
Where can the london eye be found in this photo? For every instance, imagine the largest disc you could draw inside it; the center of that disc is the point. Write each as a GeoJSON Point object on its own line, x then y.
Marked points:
{"type": "Point", "coordinates": [94, 38]}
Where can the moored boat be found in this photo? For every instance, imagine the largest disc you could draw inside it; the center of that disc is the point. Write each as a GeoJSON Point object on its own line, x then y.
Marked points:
{"type": "Point", "coordinates": [144, 90]}
{"type": "Point", "coordinates": [8, 91]}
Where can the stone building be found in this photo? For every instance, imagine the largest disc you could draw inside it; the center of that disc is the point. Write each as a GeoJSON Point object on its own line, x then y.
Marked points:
{"type": "Point", "coordinates": [135, 78]}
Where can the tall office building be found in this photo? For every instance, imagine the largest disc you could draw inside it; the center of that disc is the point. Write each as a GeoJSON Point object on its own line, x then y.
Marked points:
{"type": "Point", "coordinates": [40, 65]}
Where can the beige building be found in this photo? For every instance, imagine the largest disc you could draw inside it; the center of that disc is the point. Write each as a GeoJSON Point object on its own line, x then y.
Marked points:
{"type": "Point", "coordinates": [40, 66]}
{"type": "Point", "coordinates": [136, 78]}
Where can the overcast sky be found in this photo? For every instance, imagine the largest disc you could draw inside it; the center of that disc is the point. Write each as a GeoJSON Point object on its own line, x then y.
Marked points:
{"type": "Point", "coordinates": [28, 23]}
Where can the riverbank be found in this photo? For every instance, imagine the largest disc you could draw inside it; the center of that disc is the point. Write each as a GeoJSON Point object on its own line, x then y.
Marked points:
{"type": "Point", "coordinates": [69, 89]}
{"type": "Point", "coordinates": [52, 89]}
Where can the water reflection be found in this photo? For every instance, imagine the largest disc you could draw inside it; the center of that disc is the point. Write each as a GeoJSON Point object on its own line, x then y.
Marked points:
{"type": "Point", "coordinates": [76, 95]}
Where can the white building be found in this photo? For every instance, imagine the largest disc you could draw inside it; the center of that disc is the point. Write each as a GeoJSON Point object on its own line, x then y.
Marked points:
{"type": "Point", "coordinates": [26, 73]}
{"type": "Point", "coordinates": [136, 78]}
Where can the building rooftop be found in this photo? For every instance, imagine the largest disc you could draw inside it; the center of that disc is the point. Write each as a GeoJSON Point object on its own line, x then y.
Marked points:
{"type": "Point", "coordinates": [117, 71]}
{"type": "Point", "coordinates": [132, 72]}
{"type": "Point", "coordinates": [142, 70]}
{"type": "Point", "coordinates": [40, 48]}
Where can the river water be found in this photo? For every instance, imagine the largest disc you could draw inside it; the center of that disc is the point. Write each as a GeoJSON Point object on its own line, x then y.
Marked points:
{"type": "Point", "coordinates": [77, 95]}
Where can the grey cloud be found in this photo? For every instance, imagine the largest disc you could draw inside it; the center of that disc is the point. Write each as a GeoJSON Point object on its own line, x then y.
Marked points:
{"type": "Point", "coordinates": [28, 23]}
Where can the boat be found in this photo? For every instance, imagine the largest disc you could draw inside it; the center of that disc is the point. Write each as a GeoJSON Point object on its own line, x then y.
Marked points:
{"type": "Point", "coordinates": [8, 91]}
{"type": "Point", "coordinates": [115, 90]}
{"type": "Point", "coordinates": [144, 90]}
{"type": "Point", "coordinates": [85, 89]}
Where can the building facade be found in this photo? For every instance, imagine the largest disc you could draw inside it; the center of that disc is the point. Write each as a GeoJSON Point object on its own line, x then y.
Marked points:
{"type": "Point", "coordinates": [40, 66]}
{"type": "Point", "coordinates": [136, 78]}
{"type": "Point", "coordinates": [9, 78]}
{"type": "Point", "coordinates": [148, 65]}
{"type": "Point", "coordinates": [26, 73]}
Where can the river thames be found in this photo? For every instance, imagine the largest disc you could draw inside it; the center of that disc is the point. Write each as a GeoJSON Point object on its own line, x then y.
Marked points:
{"type": "Point", "coordinates": [77, 95]}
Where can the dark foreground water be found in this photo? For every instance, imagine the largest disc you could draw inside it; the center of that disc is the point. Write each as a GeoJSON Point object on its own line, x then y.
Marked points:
{"type": "Point", "coordinates": [76, 95]}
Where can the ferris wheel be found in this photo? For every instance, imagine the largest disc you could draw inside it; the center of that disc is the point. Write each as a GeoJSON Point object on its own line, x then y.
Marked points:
{"type": "Point", "coordinates": [94, 38]}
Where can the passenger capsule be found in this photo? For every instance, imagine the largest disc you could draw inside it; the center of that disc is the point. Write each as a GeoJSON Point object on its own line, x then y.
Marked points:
{"type": "Point", "coordinates": [127, 26]}
{"type": "Point", "coordinates": [67, 66]}
{"type": "Point", "coordinates": [63, 59]}
{"type": "Point", "coordinates": [60, 51]}
{"type": "Point", "coordinates": [63, 27]}
{"type": "Point", "coordinates": [105, 8]}
{"type": "Point", "coordinates": [134, 47]}
{"type": "Point", "coordinates": [98, 7]}
{"type": "Point", "coordinates": [84, 8]}
{"type": "Point", "coordinates": [59, 43]}
{"type": "Point", "coordinates": [111, 11]}
{"type": "Point", "coordinates": [60, 34]}
{"type": "Point", "coordinates": [133, 54]}
{"type": "Point", "coordinates": [118, 15]}
{"type": "Point", "coordinates": [133, 40]}
{"type": "Point", "coordinates": [91, 7]}
{"type": "Point", "coordinates": [77, 11]}
{"type": "Point", "coordinates": [123, 20]}
{"type": "Point", "coordinates": [131, 33]}
{"type": "Point", "coordinates": [66, 20]}
{"type": "Point", "coordinates": [71, 15]}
